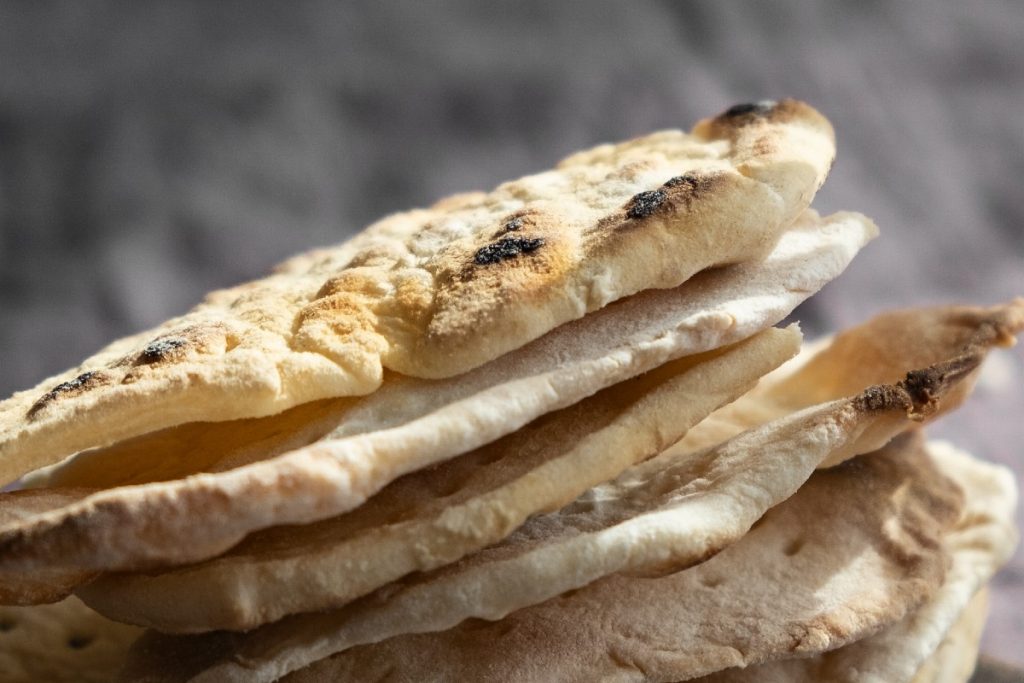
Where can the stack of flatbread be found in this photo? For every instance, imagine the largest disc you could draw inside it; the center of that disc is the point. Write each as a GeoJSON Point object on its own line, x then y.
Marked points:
{"type": "Point", "coordinates": [547, 433]}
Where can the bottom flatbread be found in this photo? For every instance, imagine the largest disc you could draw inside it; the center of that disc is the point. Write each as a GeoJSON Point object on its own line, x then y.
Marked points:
{"type": "Point", "coordinates": [815, 575]}
{"type": "Point", "coordinates": [982, 541]}
{"type": "Point", "coordinates": [61, 643]}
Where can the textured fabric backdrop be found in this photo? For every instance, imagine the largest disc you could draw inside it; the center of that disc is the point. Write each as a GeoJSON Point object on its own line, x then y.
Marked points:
{"type": "Point", "coordinates": [150, 152]}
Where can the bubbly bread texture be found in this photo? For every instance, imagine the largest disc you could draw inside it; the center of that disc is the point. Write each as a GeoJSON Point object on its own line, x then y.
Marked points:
{"type": "Point", "coordinates": [437, 292]}
{"type": "Point", "coordinates": [679, 510]}
{"type": "Point", "coordinates": [434, 517]}
{"type": "Point", "coordinates": [406, 425]}
{"type": "Point", "coordinates": [857, 547]}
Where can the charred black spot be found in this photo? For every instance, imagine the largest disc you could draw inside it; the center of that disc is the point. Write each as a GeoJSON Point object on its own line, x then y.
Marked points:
{"type": "Point", "coordinates": [644, 204]}
{"type": "Point", "coordinates": [506, 248]}
{"type": "Point", "coordinates": [687, 180]}
{"type": "Point", "coordinates": [160, 349]}
{"type": "Point", "coordinates": [921, 384]}
{"type": "Point", "coordinates": [513, 224]}
{"type": "Point", "coordinates": [84, 381]}
{"type": "Point", "coordinates": [79, 642]}
{"type": "Point", "coordinates": [761, 108]}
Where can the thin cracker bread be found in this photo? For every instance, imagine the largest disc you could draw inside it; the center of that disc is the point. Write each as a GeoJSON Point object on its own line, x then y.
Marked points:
{"type": "Point", "coordinates": [980, 543]}
{"type": "Point", "coordinates": [683, 512]}
{"type": "Point", "coordinates": [417, 423]}
{"type": "Point", "coordinates": [436, 292]}
{"type": "Point", "coordinates": [434, 517]}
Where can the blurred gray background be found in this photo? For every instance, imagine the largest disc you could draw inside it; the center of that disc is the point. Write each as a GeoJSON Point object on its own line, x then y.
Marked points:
{"type": "Point", "coordinates": [150, 152]}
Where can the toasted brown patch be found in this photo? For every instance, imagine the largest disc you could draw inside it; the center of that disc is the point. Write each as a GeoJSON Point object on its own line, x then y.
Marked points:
{"type": "Point", "coordinates": [66, 390]}
{"type": "Point", "coordinates": [763, 113]}
{"type": "Point", "coordinates": [162, 349]}
{"type": "Point", "coordinates": [919, 391]}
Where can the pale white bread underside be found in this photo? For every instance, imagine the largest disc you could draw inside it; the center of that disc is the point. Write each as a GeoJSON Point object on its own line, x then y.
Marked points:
{"type": "Point", "coordinates": [247, 587]}
{"type": "Point", "coordinates": [681, 512]}
{"type": "Point", "coordinates": [669, 624]}
{"type": "Point", "coordinates": [66, 642]}
{"type": "Point", "coordinates": [980, 543]}
{"type": "Point", "coordinates": [410, 424]}
{"type": "Point", "coordinates": [439, 291]}
{"type": "Point", "coordinates": [434, 517]}
{"type": "Point", "coordinates": [61, 643]}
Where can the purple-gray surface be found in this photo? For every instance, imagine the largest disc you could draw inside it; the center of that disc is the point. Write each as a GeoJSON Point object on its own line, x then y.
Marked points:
{"type": "Point", "coordinates": [150, 151]}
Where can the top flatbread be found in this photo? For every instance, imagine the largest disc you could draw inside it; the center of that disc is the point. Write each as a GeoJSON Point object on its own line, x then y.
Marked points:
{"type": "Point", "coordinates": [436, 292]}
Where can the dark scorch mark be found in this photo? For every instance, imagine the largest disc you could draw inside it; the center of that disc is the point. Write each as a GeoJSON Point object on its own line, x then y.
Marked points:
{"type": "Point", "coordinates": [160, 349]}
{"type": "Point", "coordinates": [506, 248]}
{"type": "Point", "coordinates": [756, 108]}
{"type": "Point", "coordinates": [75, 386]}
{"type": "Point", "coordinates": [644, 204]}
{"type": "Point", "coordinates": [688, 181]}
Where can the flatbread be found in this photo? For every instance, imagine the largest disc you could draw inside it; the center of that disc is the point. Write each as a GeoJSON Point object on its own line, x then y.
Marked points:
{"type": "Point", "coordinates": [333, 562]}
{"type": "Point", "coordinates": [681, 513]}
{"type": "Point", "coordinates": [633, 336]}
{"type": "Point", "coordinates": [980, 543]}
{"type": "Point", "coordinates": [436, 292]}
{"type": "Point", "coordinates": [878, 352]}
{"type": "Point", "coordinates": [61, 643]}
{"type": "Point", "coordinates": [434, 517]}
{"type": "Point", "coordinates": [807, 579]}
{"type": "Point", "coordinates": [410, 424]}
